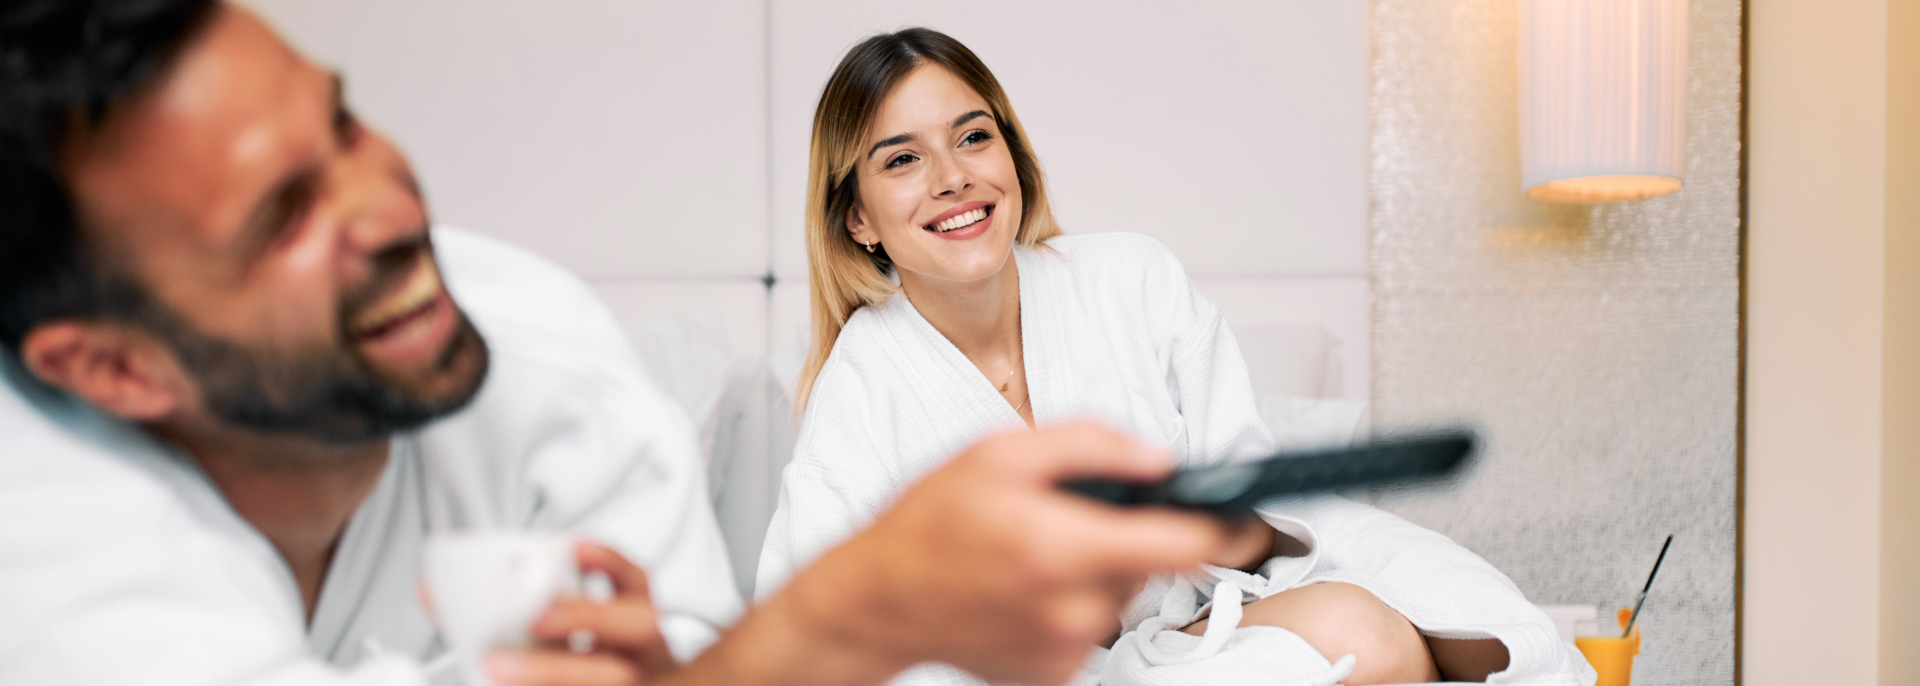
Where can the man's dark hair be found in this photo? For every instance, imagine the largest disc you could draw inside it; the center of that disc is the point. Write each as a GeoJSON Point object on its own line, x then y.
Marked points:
{"type": "Point", "coordinates": [64, 66]}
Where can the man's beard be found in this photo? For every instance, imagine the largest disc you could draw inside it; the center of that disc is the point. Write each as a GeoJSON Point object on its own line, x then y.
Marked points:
{"type": "Point", "coordinates": [328, 394]}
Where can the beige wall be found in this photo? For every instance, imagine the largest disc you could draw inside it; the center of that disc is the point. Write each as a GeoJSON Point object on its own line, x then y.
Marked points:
{"type": "Point", "coordinates": [1819, 298]}
{"type": "Point", "coordinates": [1900, 507]}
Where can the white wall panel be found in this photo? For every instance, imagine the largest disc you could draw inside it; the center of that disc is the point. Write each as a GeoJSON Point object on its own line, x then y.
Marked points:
{"type": "Point", "coordinates": [788, 322]}
{"type": "Point", "coordinates": [618, 138]}
{"type": "Point", "coordinates": [739, 304]}
{"type": "Point", "coordinates": [1235, 132]}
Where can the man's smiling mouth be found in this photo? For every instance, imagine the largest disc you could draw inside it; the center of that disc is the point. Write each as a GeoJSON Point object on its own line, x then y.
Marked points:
{"type": "Point", "coordinates": [404, 305]}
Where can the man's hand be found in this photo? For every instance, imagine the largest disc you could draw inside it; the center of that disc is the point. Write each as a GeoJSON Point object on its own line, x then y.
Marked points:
{"type": "Point", "coordinates": [1248, 546]}
{"type": "Point", "coordinates": [985, 564]}
{"type": "Point", "coordinates": [626, 645]}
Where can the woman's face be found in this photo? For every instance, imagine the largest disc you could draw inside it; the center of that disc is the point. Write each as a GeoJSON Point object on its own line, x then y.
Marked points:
{"type": "Point", "coordinates": [937, 183]}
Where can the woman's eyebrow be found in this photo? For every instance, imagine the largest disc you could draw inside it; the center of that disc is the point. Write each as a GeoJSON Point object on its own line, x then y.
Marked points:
{"type": "Point", "coordinates": [970, 116]}
{"type": "Point", "coordinates": [896, 140]}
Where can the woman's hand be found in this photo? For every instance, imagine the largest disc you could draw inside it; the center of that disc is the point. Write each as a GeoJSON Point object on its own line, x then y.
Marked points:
{"type": "Point", "coordinates": [626, 645]}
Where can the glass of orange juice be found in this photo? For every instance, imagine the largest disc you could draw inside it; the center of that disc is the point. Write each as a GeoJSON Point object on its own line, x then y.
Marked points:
{"type": "Point", "coordinates": [1610, 654]}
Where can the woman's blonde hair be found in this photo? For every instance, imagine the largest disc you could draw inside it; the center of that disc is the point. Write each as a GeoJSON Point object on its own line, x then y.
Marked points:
{"type": "Point", "coordinates": [843, 276]}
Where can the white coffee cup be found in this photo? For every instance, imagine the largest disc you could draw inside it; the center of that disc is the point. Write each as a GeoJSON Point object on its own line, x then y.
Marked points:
{"type": "Point", "coordinates": [488, 587]}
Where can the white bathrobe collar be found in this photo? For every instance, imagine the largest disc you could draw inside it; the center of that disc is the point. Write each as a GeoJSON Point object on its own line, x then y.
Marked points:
{"type": "Point", "coordinates": [954, 366]}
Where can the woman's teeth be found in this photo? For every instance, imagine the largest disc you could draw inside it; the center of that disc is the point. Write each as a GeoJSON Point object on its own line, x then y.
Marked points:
{"type": "Point", "coordinates": [960, 221]}
{"type": "Point", "coordinates": [420, 290]}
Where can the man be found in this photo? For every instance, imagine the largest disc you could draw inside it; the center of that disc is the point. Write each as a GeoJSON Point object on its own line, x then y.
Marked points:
{"type": "Point", "coordinates": [238, 395]}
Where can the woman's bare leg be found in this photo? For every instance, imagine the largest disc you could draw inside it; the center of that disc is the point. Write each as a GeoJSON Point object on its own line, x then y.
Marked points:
{"type": "Point", "coordinates": [1467, 659]}
{"type": "Point", "coordinates": [1341, 619]}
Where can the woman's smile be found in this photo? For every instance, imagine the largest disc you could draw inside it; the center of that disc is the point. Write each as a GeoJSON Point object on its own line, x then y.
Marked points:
{"type": "Point", "coordinates": [964, 221]}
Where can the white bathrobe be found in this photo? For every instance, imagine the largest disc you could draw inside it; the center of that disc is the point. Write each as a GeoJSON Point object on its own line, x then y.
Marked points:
{"type": "Point", "coordinates": [1113, 330]}
{"type": "Point", "coordinates": [120, 563]}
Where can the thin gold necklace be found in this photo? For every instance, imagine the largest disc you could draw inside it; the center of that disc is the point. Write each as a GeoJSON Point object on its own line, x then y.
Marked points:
{"type": "Point", "coordinates": [1009, 380]}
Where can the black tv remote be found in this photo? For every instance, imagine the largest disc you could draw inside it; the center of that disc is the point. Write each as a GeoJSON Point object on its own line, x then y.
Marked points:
{"type": "Point", "coordinates": [1233, 489]}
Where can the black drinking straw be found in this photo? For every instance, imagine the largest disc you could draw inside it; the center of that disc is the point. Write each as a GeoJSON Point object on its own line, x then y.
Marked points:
{"type": "Point", "coordinates": [1642, 600]}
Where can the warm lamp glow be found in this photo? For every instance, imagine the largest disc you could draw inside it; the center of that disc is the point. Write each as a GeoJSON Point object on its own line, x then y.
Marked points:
{"type": "Point", "coordinates": [1602, 99]}
{"type": "Point", "coordinates": [1604, 188]}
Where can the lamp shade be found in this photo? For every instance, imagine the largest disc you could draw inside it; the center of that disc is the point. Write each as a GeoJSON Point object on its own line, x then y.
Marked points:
{"type": "Point", "coordinates": [1603, 87]}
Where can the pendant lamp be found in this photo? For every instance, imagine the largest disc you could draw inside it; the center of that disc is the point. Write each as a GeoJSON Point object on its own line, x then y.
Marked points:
{"type": "Point", "coordinates": [1603, 87]}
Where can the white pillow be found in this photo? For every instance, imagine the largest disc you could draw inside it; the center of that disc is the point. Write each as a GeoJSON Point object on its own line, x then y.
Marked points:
{"type": "Point", "coordinates": [1291, 358]}
{"type": "Point", "coordinates": [690, 358]}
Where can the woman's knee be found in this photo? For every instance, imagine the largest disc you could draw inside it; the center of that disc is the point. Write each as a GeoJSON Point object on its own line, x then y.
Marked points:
{"type": "Point", "coordinates": [1343, 619]}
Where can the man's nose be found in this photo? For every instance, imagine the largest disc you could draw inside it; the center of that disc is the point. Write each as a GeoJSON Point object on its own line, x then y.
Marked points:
{"type": "Point", "coordinates": [376, 202]}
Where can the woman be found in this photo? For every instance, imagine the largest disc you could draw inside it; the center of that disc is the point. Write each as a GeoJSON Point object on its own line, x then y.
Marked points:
{"type": "Point", "coordinates": [947, 305]}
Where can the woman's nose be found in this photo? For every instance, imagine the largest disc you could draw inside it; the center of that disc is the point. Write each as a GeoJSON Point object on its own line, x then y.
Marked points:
{"type": "Point", "coordinates": [949, 176]}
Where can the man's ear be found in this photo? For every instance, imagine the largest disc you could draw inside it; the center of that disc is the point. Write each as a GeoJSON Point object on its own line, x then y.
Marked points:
{"type": "Point", "coordinates": [115, 368]}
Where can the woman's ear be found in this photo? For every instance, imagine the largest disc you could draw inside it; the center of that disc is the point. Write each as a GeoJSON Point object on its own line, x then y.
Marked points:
{"type": "Point", "coordinates": [113, 367]}
{"type": "Point", "coordinates": [857, 226]}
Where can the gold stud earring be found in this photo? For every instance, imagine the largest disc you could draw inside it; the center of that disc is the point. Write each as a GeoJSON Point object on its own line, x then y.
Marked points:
{"type": "Point", "coordinates": [869, 246]}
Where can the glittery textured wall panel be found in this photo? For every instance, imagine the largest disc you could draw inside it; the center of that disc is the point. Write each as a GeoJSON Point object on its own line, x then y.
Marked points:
{"type": "Point", "coordinates": [1595, 347]}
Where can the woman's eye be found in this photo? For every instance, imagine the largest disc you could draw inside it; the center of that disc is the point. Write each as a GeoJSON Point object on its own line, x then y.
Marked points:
{"type": "Point", "coordinates": [976, 137]}
{"type": "Point", "coordinates": [902, 160]}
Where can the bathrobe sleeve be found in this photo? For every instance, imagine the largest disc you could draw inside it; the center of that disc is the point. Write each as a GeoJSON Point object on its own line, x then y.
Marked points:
{"type": "Point", "coordinates": [601, 454]}
{"type": "Point", "coordinates": [1206, 374]}
{"type": "Point", "coordinates": [835, 484]}
{"type": "Point", "coordinates": [828, 515]}
{"type": "Point", "coordinates": [831, 505]}
{"type": "Point", "coordinates": [570, 434]}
